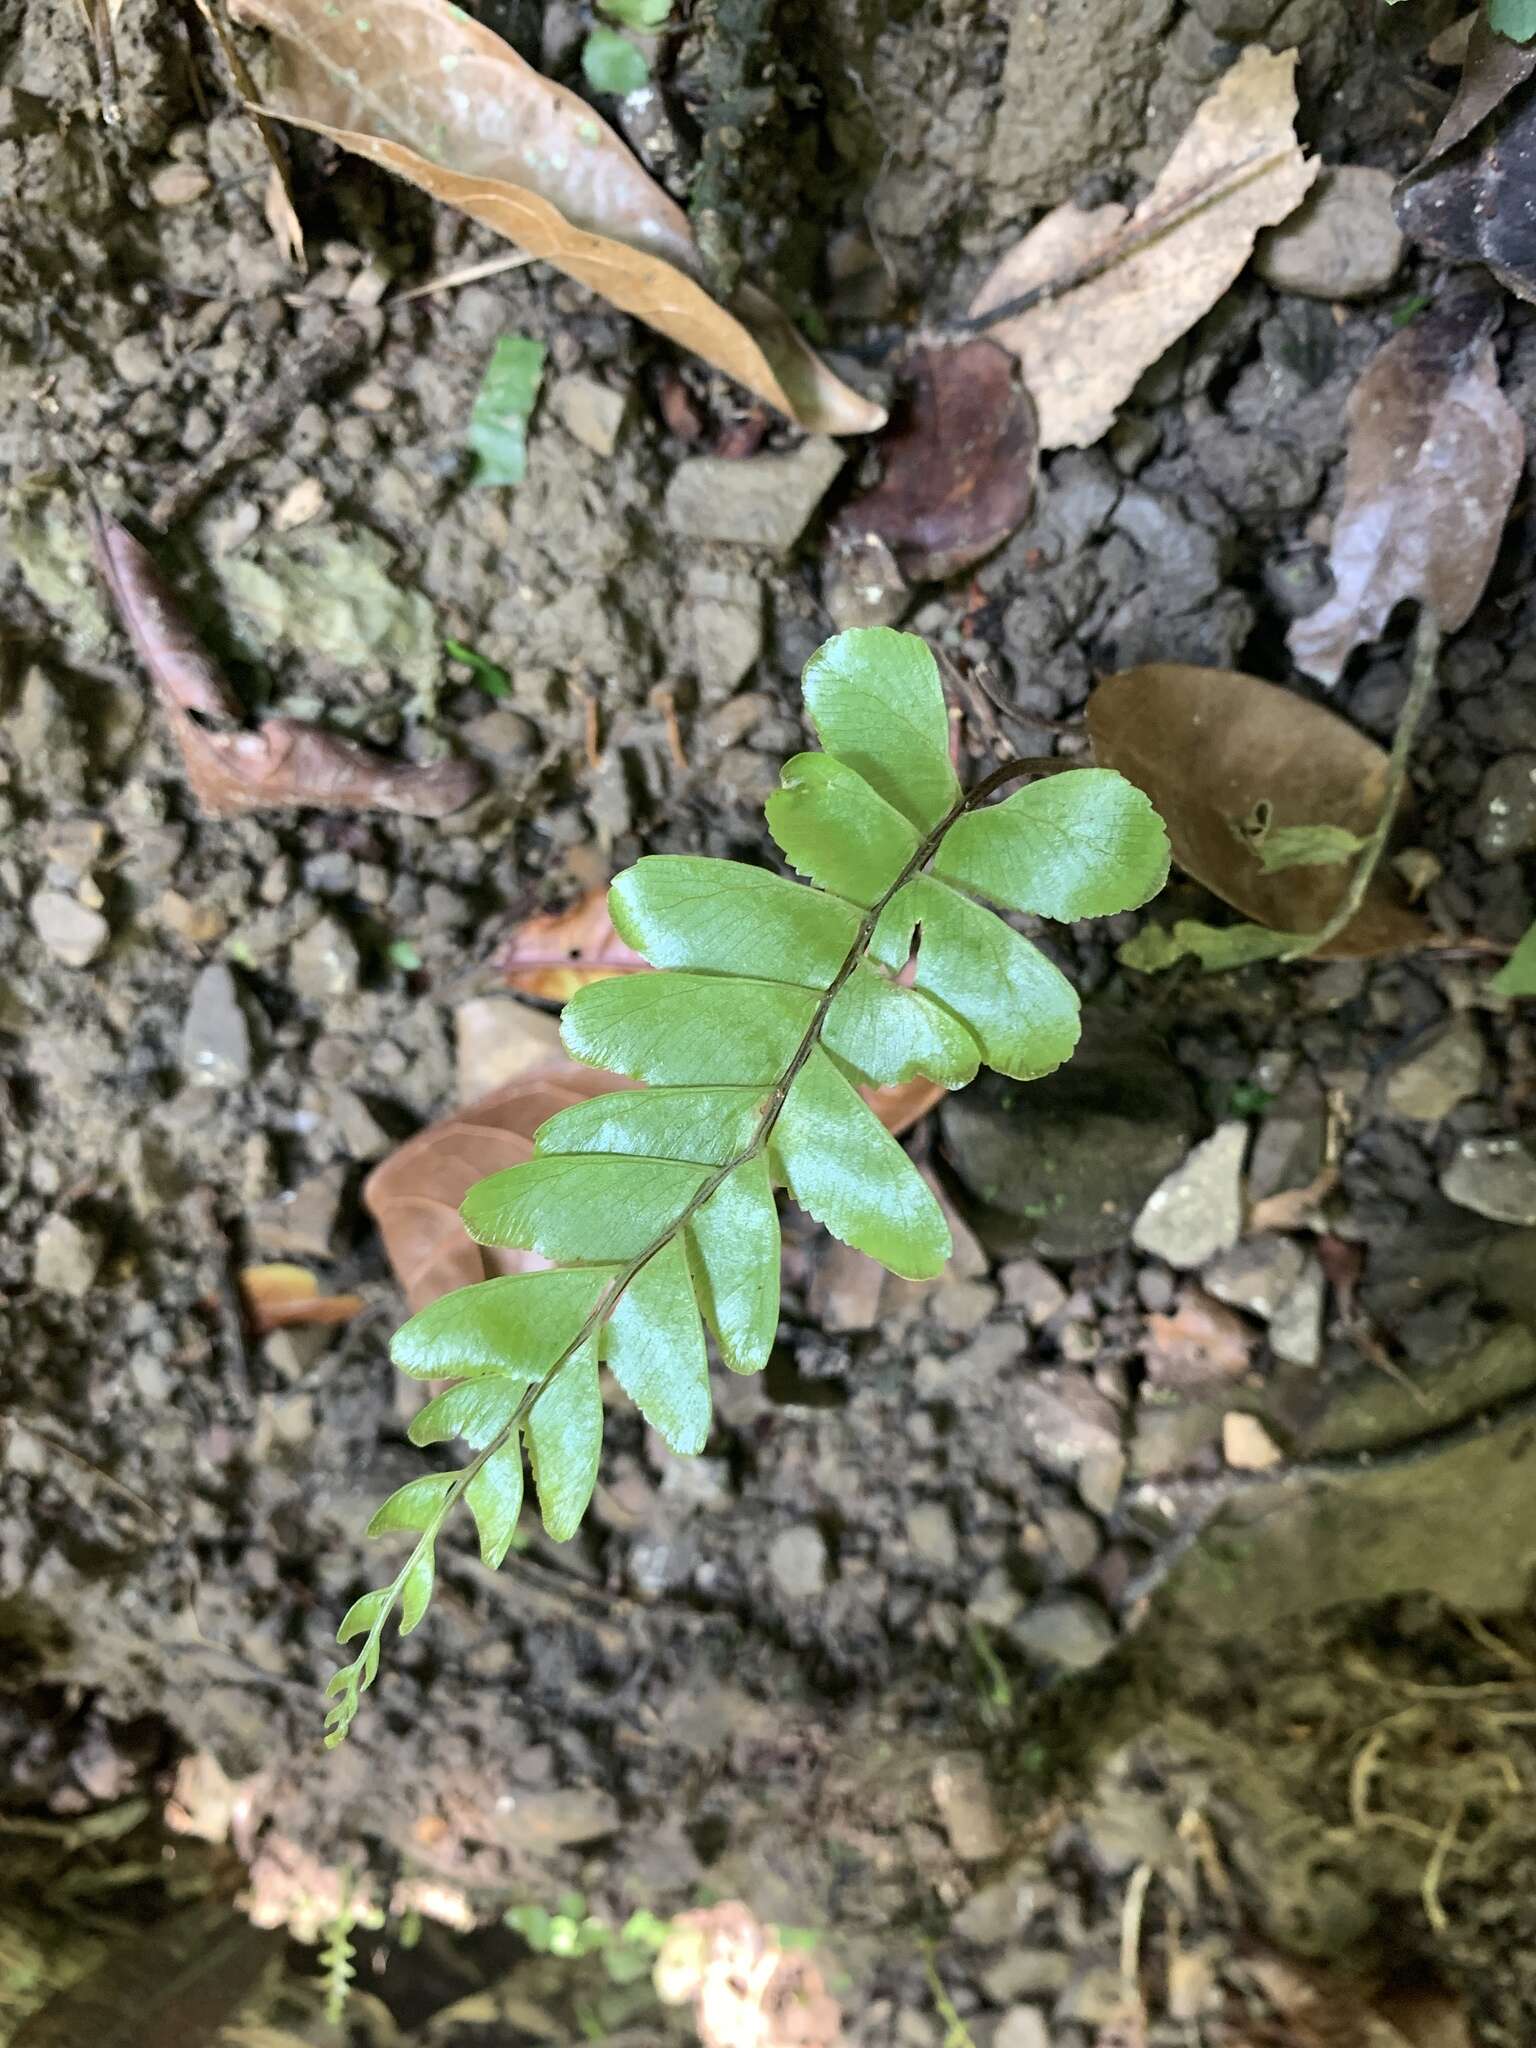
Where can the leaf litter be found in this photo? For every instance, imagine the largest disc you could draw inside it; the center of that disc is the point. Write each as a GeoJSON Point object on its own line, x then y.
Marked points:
{"type": "Point", "coordinates": [1111, 290]}
{"type": "Point", "coordinates": [1434, 457]}
{"type": "Point", "coordinates": [428, 93]}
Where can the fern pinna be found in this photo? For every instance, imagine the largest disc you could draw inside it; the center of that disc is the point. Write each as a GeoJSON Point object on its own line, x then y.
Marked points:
{"type": "Point", "coordinates": [656, 1205]}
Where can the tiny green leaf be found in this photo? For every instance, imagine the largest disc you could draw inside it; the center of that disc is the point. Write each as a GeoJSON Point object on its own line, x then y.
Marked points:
{"type": "Point", "coordinates": [876, 701]}
{"type": "Point", "coordinates": [832, 827]}
{"type": "Point", "coordinates": [727, 918]}
{"type": "Point", "coordinates": [414, 1506]}
{"type": "Point", "coordinates": [495, 1497]}
{"type": "Point", "coordinates": [844, 1167]}
{"type": "Point", "coordinates": [522, 1322]}
{"type": "Point", "coordinates": [688, 1028]}
{"type": "Point", "coordinates": [476, 1410]}
{"type": "Point", "coordinates": [580, 1204]}
{"type": "Point", "coordinates": [493, 679]}
{"type": "Point", "coordinates": [1218, 948]}
{"type": "Point", "coordinates": [637, 13]}
{"type": "Point", "coordinates": [889, 1034]}
{"type": "Point", "coordinates": [611, 62]}
{"type": "Point", "coordinates": [416, 1588]}
{"type": "Point", "coordinates": [404, 955]}
{"type": "Point", "coordinates": [498, 424]}
{"type": "Point", "coordinates": [1082, 844]}
{"type": "Point", "coordinates": [565, 1441]}
{"type": "Point", "coordinates": [706, 1126]}
{"type": "Point", "coordinates": [1517, 977]}
{"type": "Point", "coordinates": [1513, 18]}
{"type": "Point", "coordinates": [656, 1350]}
{"type": "Point", "coordinates": [1306, 846]}
{"type": "Point", "coordinates": [733, 1244]}
{"type": "Point", "coordinates": [360, 1617]}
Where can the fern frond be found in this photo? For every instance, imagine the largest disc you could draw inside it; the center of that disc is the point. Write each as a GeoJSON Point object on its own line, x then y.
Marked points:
{"type": "Point", "coordinates": [772, 1000]}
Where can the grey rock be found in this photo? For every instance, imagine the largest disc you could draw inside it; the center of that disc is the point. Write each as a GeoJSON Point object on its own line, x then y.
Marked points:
{"type": "Point", "coordinates": [151, 1177]}
{"type": "Point", "coordinates": [1068, 1631]}
{"type": "Point", "coordinates": [996, 1601]}
{"type": "Point", "coordinates": [1506, 808]}
{"type": "Point", "coordinates": [1027, 1973]}
{"type": "Point", "coordinates": [72, 932]}
{"type": "Point", "coordinates": [1061, 1167]}
{"type": "Point", "coordinates": [1341, 242]}
{"type": "Point", "coordinates": [966, 1807]}
{"type": "Point", "coordinates": [765, 502]}
{"type": "Point", "coordinates": [1066, 1418]}
{"type": "Point", "coordinates": [137, 360]}
{"type": "Point", "coordinates": [66, 1257]}
{"type": "Point", "coordinates": [1022, 2026]}
{"type": "Point", "coordinates": [1445, 1067]}
{"type": "Point", "coordinates": [722, 628]}
{"type": "Point", "coordinates": [931, 1533]}
{"type": "Point", "coordinates": [797, 1562]}
{"type": "Point", "coordinates": [1099, 1479]}
{"type": "Point", "coordinates": [43, 733]}
{"type": "Point", "coordinates": [301, 1221]}
{"type": "Point", "coordinates": [1296, 1328]}
{"type": "Point", "coordinates": [1170, 1439]}
{"type": "Point", "coordinates": [999, 1911]}
{"type": "Point", "coordinates": [1197, 1211]}
{"type": "Point", "coordinates": [216, 1037]}
{"type": "Point", "coordinates": [1237, 21]}
{"type": "Point", "coordinates": [1033, 1288]}
{"type": "Point", "coordinates": [323, 964]}
{"type": "Point", "coordinates": [961, 1306]}
{"type": "Point", "coordinates": [592, 412]}
{"type": "Point", "coordinates": [1496, 1177]}
{"type": "Point", "coordinates": [1255, 1275]}
{"type": "Point", "coordinates": [1184, 557]}
{"type": "Point", "coordinates": [863, 584]}
{"type": "Point", "coordinates": [1073, 1537]}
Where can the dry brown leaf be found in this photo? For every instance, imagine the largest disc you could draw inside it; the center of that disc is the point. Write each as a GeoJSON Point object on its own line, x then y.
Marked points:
{"type": "Point", "coordinates": [424, 91]}
{"type": "Point", "coordinates": [277, 205]}
{"type": "Point", "coordinates": [1200, 1344]}
{"type": "Point", "coordinates": [1435, 453]}
{"type": "Point", "coordinates": [1208, 746]}
{"type": "Point", "coordinates": [283, 762]}
{"type": "Point", "coordinates": [554, 955]}
{"type": "Point", "coordinates": [960, 464]}
{"type": "Point", "coordinates": [278, 1296]}
{"type": "Point", "coordinates": [1122, 288]}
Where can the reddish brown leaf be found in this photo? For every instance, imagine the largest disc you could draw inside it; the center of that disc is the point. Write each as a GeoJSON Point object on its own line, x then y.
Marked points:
{"type": "Point", "coordinates": [283, 762]}
{"type": "Point", "coordinates": [554, 955]}
{"type": "Point", "coordinates": [1201, 1344]}
{"type": "Point", "coordinates": [278, 1296]}
{"type": "Point", "coordinates": [960, 463]}
{"type": "Point", "coordinates": [1209, 746]}
{"type": "Point", "coordinates": [1435, 452]}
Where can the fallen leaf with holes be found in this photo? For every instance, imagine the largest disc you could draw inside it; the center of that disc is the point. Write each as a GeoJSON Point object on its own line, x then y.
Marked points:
{"type": "Point", "coordinates": [1119, 288]}
{"type": "Point", "coordinates": [555, 954]}
{"type": "Point", "coordinates": [1199, 1344]}
{"type": "Point", "coordinates": [278, 1296]}
{"type": "Point", "coordinates": [424, 91]}
{"type": "Point", "coordinates": [1473, 196]}
{"type": "Point", "coordinates": [961, 458]}
{"type": "Point", "coordinates": [281, 763]}
{"type": "Point", "coordinates": [1209, 746]}
{"type": "Point", "coordinates": [1434, 455]}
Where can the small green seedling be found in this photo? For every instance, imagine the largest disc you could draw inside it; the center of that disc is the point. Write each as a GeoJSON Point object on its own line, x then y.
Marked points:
{"type": "Point", "coordinates": [655, 1207]}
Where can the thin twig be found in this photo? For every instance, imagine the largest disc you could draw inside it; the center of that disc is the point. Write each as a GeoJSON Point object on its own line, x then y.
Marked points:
{"type": "Point", "coordinates": [1434, 1871]}
{"type": "Point", "coordinates": [1421, 686]}
{"type": "Point", "coordinates": [469, 273]}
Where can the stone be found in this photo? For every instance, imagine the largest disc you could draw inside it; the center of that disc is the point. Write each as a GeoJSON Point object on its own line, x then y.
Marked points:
{"type": "Point", "coordinates": [1067, 1631]}
{"type": "Point", "coordinates": [1033, 1288]}
{"type": "Point", "coordinates": [797, 1562]}
{"type": "Point", "coordinates": [1171, 1439]}
{"type": "Point", "coordinates": [66, 1257]}
{"type": "Point", "coordinates": [151, 1177]}
{"type": "Point", "coordinates": [592, 412]}
{"type": "Point", "coordinates": [722, 627]}
{"type": "Point", "coordinates": [73, 933]}
{"type": "Point", "coordinates": [361, 1133]}
{"type": "Point", "coordinates": [216, 1036]}
{"type": "Point", "coordinates": [931, 1533]}
{"type": "Point", "coordinates": [323, 964]}
{"type": "Point", "coordinates": [765, 502]}
{"type": "Point", "coordinates": [996, 1601]}
{"type": "Point", "coordinates": [1255, 1275]}
{"type": "Point", "coordinates": [1296, 1328]}
{"type": "Point", "coordinates": [966, 1807]}
{"type": "Point", "coordinates": [1444, 1068]}
{"type": "Point", "coordinates": [1247, 1445]}
{"type": "Point", "coordinates": [997, 1912]}
{"type": "Point", "coordinates": [961, 1306]}
{"type": "Point", "coordinates": [1061, 1168]}
{"type": "Point", "coordinates": [1022, 2026]}
{"type": "Point", "coordinates": [1495, 1177]}
{"type": "Point", "coordinates": [45, 736]}
{"type": "Point", "coordinates": [301, 1222]}
{"type": "Point", "coordinates": [1066, 1418]}
{"type": "Point", "coordinates": [1073, 1537]}
{"type": "Point", "coordinates": [1197, 1210]}
{"type": "Point", "coordinates": [179, 184]}
{"type": "Point", "coordinates": [1341, 242]}
{"type": "Point", "coordinates": [1027, 1973]}
{"type": "Point", "coordinates": [862, 584]}
{"type": "Point", "coordinates": [496, 1039]}
{"type": "Point", "coordinates": [845, 1289]}
{"type": "Point", "coordinates": [1100, 1477]}
{"type": "Point", "coordinates": [1506, 809]}
{"type": "Point", "coordinates": [137, 360]}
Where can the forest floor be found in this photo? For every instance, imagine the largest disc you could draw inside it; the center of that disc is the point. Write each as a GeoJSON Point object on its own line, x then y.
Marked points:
{"type": "Point", "coordinates": [925, 1655]}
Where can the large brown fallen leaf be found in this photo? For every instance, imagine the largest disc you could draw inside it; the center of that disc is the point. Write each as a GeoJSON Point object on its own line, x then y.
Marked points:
{"type": "Point", "coordinates": [1119, 288]}
{"type": "Point", "coordinates": [423, 90]}
{"type": "Point", "coordinates": [283, 762]}
{"type": "Point", "coordinates": [414, 1195]}
{"type": "Point", "coordinates": [1473, 196]}
{"type": "Point", "coordinates": [1209, 747]}
{"type": "Point", "coordinates": [1435, 452]}
{"type": "Point", "coordinates": [960, 458]}
{"type": "Point", "coordinates": [553, 955]}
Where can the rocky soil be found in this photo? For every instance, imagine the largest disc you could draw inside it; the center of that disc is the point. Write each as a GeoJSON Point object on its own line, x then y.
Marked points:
{"type": "Point", "coordinates": [1162, 1566]}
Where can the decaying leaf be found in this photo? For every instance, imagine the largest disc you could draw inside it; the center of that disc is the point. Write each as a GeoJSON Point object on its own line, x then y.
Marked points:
{"type": "Point", "coordinates": [425, 91]}
{"type": "Point", "coordinates": [283, 761]}
{"type": "Point", "coordinates": [553, 955]}
{"type": "Point", "coordinates": [278, 1296]}
{"type": "Point", "coordinates": [1117, 289]}
{"type": "Point", "coordinates": [1435, 453]}
{"type": "Point", "coordinates": [960, 464]}
{"type": "Point", "coordinates": [1473, 196]}
{"type": "Point", "coordinates": [1198, 1344]}
{"type": "Point", "coordinates": [1208, 746]}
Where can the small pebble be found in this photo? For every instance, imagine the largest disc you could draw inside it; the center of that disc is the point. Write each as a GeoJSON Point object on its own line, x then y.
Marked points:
{"type": "Point", "coordinates": [66, 1257]}
{"type": "Point", "coordinates": [72, 933]}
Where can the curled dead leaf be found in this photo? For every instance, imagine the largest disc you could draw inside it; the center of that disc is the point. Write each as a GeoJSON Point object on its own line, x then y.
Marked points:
{"type": "Point", "coordinates": [283, 761]}
{"type": "Point", "coordinates": [1198, 1344]}
{"type": "Point", "coordinates": [961, 458]}
{"type": "Point", "coordinates": [421, 89]}
{"type": "Point", "coordinates": [555, 954]}
{"type": "Point", "coordinates": [1208, 746]}
{"type": "Point", "coordinates": [1109, 291]}
{"type": "Point", "coordinates": [1435, 453]}
{"type": "Point", "coordinates": [278, 1296]}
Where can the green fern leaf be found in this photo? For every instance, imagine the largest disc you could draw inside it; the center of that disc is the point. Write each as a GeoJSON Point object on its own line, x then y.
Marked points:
{"type": "Point", "coordinates": [769, 1000]}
